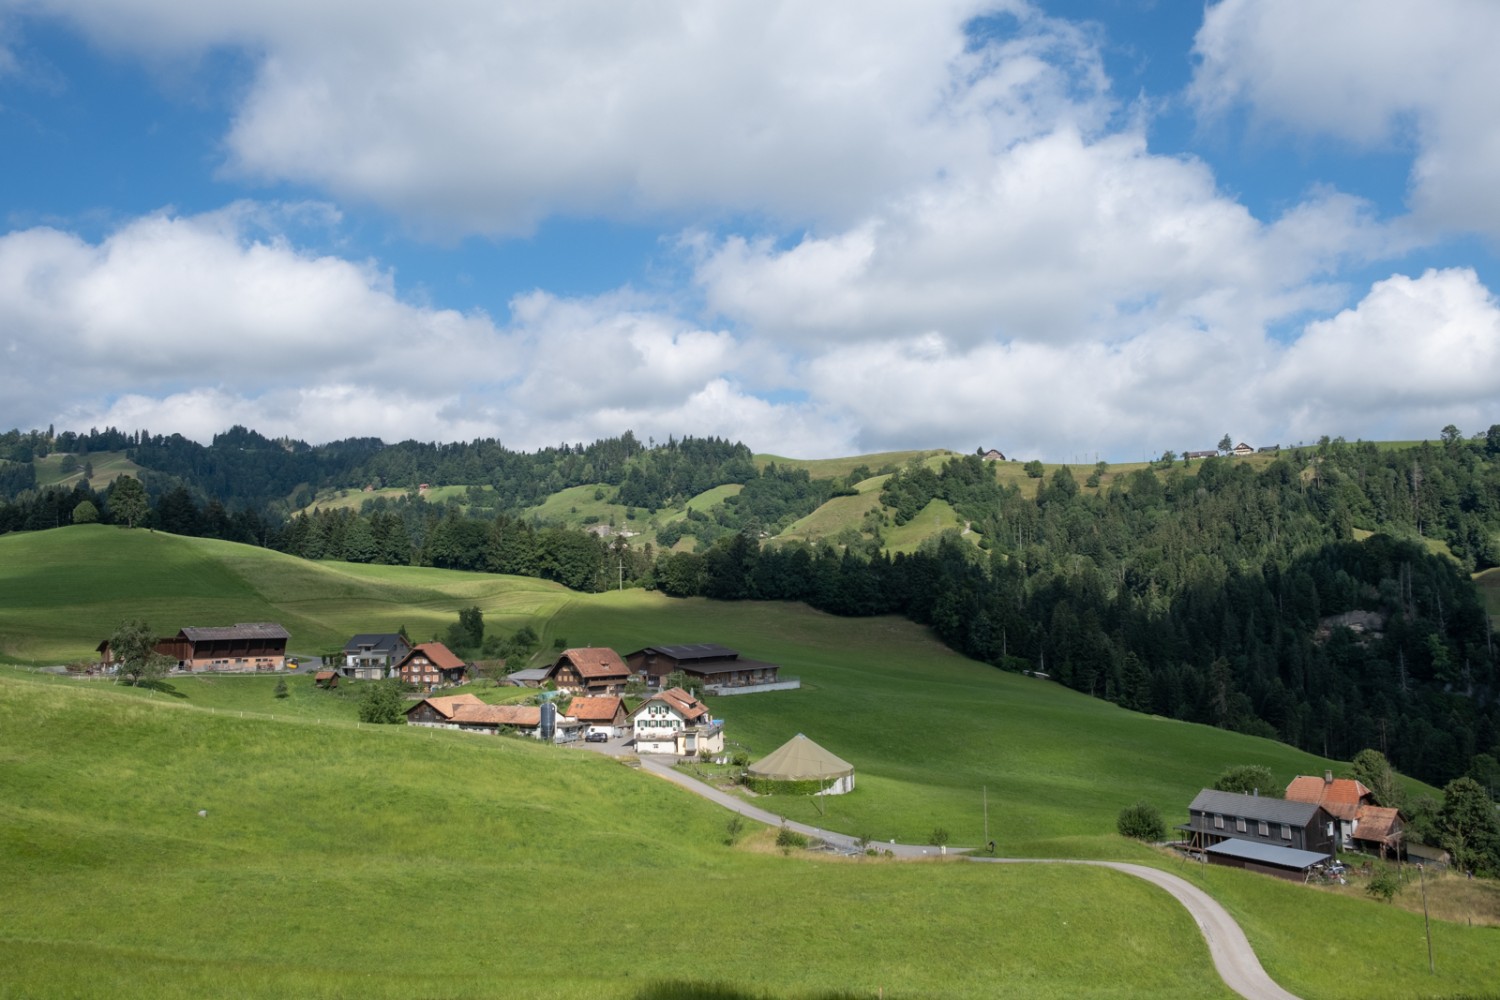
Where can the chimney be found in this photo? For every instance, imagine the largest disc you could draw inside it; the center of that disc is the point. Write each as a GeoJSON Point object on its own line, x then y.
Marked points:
{"type": "Point", "coordinates": [1327, 777]}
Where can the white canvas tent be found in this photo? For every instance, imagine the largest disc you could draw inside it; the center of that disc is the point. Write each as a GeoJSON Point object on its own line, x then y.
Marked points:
{"type": "Point", "coordinates": [800, 759]}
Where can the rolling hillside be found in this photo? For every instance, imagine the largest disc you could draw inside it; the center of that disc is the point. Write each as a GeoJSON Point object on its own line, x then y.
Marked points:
{"type": "Point", "coordinates": [395, 829]}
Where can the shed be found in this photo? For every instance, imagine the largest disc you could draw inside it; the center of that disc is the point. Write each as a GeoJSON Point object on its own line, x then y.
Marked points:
{"type": "Point", "coordinates": [1268, 859]}
{"type": "Point", "coordinates": [799, 759]}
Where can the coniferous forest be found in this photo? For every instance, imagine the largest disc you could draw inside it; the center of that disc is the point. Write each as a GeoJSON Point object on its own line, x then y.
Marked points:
{"type": "Point", "coordinates": [1323, 598]}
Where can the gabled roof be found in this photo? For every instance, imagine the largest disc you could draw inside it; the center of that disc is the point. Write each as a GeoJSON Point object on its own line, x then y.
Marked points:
{"type": "Point", "coordinates": [529, 674]}
{"type": "Point", "coordinates": [376, 642]}
{"type": "Point", "coordinates": [245, 630]}
{"type": "Point", "coordinates": [800, 759]}
{"type": "Point", "coordinates": [448, 705]}
{"type": "Point", "coordinates": [1256, 807]}
{"type": "Point", "coordinates": [1342, 797]}
{"type": "Point", "coordinates": [499, 715]}
{"type": "Point", "coordinates": [595, 709]}
{"type": "Point", "coordinates": [439, 655]}
{"type": "Point", "coordinates": [594, 662]}
{"type": "Point", "coordinates": [1378, 824]}
{"type": "Point", "coordinates": [692, 651]}
{"type": "Point", "coordinates": [684, 704]}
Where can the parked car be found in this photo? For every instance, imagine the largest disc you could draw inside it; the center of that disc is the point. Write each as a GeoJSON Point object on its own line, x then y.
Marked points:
{"type": "Point", "coordinates": [596, 737]}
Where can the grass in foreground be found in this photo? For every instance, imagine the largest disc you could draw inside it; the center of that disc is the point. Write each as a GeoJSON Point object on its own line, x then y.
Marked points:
{"type": "Point", "coordinates": [930, 732]}
{"type": "Point", "coordinates": [399, 862]}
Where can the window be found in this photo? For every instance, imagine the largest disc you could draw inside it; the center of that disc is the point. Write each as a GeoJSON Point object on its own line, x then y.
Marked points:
{"type": "Point", "coordinates": [1265, 828]}
{"type": "Point", "coordinates": [1218, 822]}
{"type": "Point", "coordinates": [1286, 832]}
{"type": "Point", "coordinates": [1239, 824]}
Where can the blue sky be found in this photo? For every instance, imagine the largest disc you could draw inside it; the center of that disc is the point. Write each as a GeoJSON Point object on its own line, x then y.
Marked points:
{"type": "Point", "coordinates": [1062, 229]}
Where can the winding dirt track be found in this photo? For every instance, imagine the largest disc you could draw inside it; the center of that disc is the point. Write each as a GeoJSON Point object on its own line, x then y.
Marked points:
{"type": "Point", "coordinates": [1227, 945]}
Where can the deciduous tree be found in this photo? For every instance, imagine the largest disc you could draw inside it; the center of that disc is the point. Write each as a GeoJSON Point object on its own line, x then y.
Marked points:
{"type": "Point", "coordinates": [133, 647]}
{"type": "Point", "coordinates": [127, 501]}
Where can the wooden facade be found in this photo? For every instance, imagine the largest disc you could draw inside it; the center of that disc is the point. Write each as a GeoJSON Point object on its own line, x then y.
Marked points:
{"type": "Point", "coordinates": [244, 648]}
{"type": "Point", "coordinates": [1216, 816]}
{"type": "Point", "coordinates": [431, 665]}
{"type": "Point", "coordinates": [713, 665]}
{"type": "Point", "coordinates": [591, 670]}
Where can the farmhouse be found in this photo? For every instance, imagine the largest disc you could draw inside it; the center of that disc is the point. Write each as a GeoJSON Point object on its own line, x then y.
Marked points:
{"type": "Point", "coordinates": [1215, 817]}
{"type": "Point", "coordinates": [234, 648]}
{"type": "Point", "coordinates": [1358, 821]}
{"type": "Point", "coordinates": [993, 455]}
{"type": "Point", "coordinates": [600, 715]}
{"type": "Point", "coordinates": [370, 656]}
{"type": "Point", "coordinates": [594, 670]}
{"type": "Point", "coordinates": [721, 670]}
{"type": "Point", "coordinates": [1242, 449]}
{"type": "Point", "coordinates": [674, 722]}
{"type": "Point", "coordinates": [438, 712]}
{"type": "Point", "coordinates": [1200, 454]}
{"type": "Point", "coordinates": [799, 759]}
{"type": "Point", "coordinates": [429, 666]}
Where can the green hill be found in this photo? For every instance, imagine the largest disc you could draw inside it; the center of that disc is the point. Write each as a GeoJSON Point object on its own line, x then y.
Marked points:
{"type": "Point", "coordinates": [337, 860]}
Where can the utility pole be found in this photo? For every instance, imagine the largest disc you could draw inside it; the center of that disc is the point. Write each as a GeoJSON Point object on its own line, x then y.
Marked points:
{"type": "Point", "coordinates": [1426, 921]}
{"type": "Point", "coordinates": [985, 791]}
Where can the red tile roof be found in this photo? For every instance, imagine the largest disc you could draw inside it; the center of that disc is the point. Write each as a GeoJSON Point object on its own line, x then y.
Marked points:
{"type": "Point", "coordinates": [595, 662]}
{"type": "Point", "coordinates": [596, 709]}
{"type": "Point", "coordinates": [448, 705]}
{"type": "Point", "coordinates": [1342, 797]}
{"type": "Point", "coordinates": [439, 655]}
{"type": "Point", "coordinates": [1380, 824]}
{"type": "Point", "coordinates": [690, 708]}
{"type": "Point", "coordinates": [499, 715]}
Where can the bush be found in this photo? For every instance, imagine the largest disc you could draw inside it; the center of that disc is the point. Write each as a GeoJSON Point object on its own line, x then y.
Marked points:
{"type": "Point", "coordinates": [1385, 883]}
{"type": "Point", "coordinates": [1141, 821]}
{"type": "Point", "coordinates": [281, 690]}
{"type": "Point", "coordinates": [383, 702]}
{"type": "Point", "coordinates": [787, 839]}
{"type": "Point", "coordinates": [938, 837]}
{"type": "Point", "coordinates": [733, 829]}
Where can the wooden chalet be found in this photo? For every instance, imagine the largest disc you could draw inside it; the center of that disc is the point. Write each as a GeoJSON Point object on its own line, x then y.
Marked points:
{"type": "Point", "coordinates": [466, 712]}
{"type": "Point", "coordinates": [326, 678]}
{"type": "Point", "coordinates": [713, 665]}
{"type": "Point", "coordinates": [993, 455]}
{"type": "Point", "coordinates": [243, 648]}
{"type": "Point", "coordinates": [439, 712]}
{"type": "Point", "coordinates": [591, 670]}
{"type": "Point", "coordinates": [431, 665]}
{"type": "Point", "coordinates": [1215, 817]}
{"type": "Point", "coordinates": [1242, 449]}
{"type": "Point", "coordinates": [1358, 821]}
{"type": "Point", "coordinates": [603, 715]}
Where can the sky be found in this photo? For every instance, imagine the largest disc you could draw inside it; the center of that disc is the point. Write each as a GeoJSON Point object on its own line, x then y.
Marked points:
{"type": "Point", "coordinates": [1071, 230]}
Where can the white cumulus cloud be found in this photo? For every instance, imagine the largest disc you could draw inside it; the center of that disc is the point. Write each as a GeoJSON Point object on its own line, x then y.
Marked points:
{"type": "Point", "coordinates": [1385, 73]}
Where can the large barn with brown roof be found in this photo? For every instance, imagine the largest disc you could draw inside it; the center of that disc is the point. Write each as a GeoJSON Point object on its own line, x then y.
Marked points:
{"type": "Point", "coordinates": [242, 648]}
{"type": "Point", "coordinates": [593, 670]}
{"type": "Point", "coordinates": [429, 666]}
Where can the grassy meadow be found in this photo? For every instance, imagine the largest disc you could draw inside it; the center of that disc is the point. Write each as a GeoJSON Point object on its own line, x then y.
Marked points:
{"type": "Point", "coordinates": [108, 466]}
{"type": "Point", "coordinates": [341, 860]}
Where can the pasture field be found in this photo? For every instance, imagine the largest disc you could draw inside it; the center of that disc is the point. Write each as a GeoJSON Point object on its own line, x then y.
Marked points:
{"type": "Point", "coordinates": [456, 856]}
{"type": "Point", "coordinates": [934, 519]}
{"type": "Point", "coordinates": [396, 862]}
{"type": "Point", "coordinates": [108, 466]}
